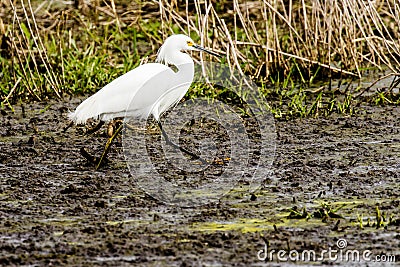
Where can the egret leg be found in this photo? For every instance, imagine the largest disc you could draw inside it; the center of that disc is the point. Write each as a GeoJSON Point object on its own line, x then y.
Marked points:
{"type": "Point", "coordinates": [112, 126]}
{"type": "Point", "coordinates": [87, 156]}
{"type": "Point", "coordinates": [108, 144]}
{"type": "Point", "coordinates": [178, 146]}
{"type": "Point", "coordinates": [95, 128]}
{"type": "Point", "coordinates": [68, 126]}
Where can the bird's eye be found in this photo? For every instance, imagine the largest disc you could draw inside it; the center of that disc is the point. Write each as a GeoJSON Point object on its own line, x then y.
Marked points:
{"type": "Point", "coordinates": [189, 43]}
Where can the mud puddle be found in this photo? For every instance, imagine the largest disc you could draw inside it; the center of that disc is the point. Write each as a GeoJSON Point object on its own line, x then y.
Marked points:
{"type": "Point", "coordinates": [329, 174]}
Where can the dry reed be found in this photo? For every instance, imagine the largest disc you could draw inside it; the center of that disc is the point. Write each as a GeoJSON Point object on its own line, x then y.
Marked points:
{"type": "Point", "coordinates": [262, 38]}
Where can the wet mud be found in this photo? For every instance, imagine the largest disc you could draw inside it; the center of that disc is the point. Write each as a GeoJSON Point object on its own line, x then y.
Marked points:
{"type": "Point", "coordinates": [334, 178]}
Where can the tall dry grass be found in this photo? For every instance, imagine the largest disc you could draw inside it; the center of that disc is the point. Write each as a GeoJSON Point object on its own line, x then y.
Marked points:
{"type": "Point", "coordinates": [345, 36]}
{"type": "Point", "coordinates": [27, 49]}
{"type": "Point", "coordinates": [307, 40]}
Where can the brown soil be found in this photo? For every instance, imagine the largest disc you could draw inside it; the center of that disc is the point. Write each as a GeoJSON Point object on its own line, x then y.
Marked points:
{"type": "Point", "coordinates": [56, 209]}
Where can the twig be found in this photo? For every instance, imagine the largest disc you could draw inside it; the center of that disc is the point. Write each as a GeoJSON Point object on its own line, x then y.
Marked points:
{"type": "Point", "coordinates": [12, 90]}
{"type": "Point", "coordinates": [52, 77]}
{"type": "Point", "coordinates": [375, 82]}
{"type": "Point", "coordinates": [298, 57]}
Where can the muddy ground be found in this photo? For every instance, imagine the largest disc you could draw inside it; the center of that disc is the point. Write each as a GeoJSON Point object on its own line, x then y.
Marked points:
{"type": "Point", "coordinates": [55, 209]}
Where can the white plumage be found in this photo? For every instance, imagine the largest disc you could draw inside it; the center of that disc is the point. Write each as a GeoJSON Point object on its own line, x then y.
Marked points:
{"type": "Point", "coordinates": [148, 89]}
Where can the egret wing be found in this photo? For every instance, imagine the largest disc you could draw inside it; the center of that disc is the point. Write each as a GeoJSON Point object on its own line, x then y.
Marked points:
{"type": "Point", "coordinates": [143, 85]}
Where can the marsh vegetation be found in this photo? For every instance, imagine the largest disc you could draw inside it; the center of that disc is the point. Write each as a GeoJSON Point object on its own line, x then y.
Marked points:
{"type": "Point", "coordinates": [328, 69]}
{"type": "Point", "coordinates": [309, 58]}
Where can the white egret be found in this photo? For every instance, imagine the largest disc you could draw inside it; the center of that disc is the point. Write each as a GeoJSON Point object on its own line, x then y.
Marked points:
{"type": "Point", "coordinates": [151, 88]}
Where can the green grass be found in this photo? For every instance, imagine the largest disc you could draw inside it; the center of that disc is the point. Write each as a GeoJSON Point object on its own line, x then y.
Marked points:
{"type": "Point", "coordinates": [91, 59]}
{"type": "Point", "coordinates": [82, 64]}
{"type": "Point", "coordinates": [82, 56]}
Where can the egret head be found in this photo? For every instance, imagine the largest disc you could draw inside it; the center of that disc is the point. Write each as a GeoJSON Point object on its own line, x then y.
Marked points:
{"type": "Point", "coordinates": [173, 45]}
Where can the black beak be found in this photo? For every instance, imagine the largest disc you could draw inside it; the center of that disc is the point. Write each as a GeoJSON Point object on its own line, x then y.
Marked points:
{"type": "Point", "coordinates": [207, 51]}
